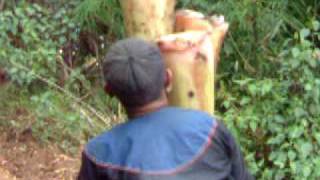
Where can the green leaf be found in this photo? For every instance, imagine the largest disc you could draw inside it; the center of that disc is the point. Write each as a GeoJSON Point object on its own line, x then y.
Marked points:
{"type": "Point", "coordinates": [279, 119]}
{"type": "Point", "coordinates": [316, 161]}
{"type": "Point", "coordinates": [316, 25]}
{"type": "Point", "coordinates": [308, 87]}
{"type": "Point", "coordinates": [293, 167]}
{"type": "Point", "coordinates": [299, 112]}
{"type": "Point", "coordinates": [317, 137]}
{"type": "Point", "coordinates": [313, 63]}
{"type": "Point", "coordinates": [277, 140]}
{"type": "Point", "coordinates": [306, 148]}
{"type": "Point", "coordinates": [30, 10]}
{"type": "Point", "coordinates": [281, 160]}
{"type": "Point", "coordinates": [292, 155]}
{"type": "Point", "coordinates": [253, 89]}
{"type": "Point", "coordinates": [295, 52]}
{"type": "Point", "coordinates": [253, 125]}
{"type": "Point", "coordinates": [307, 171]}
{"type": "Point", "coordinates": [62, 40]}
{"type": "Point", "coordinates": [295, 132]}
{"type": "Point", "coordinates": [227, 104]}
{"type": "Point", "coordinates": [245, 100]}
{"type": "Point", "coordinates": [304, 33]}
{"type": "Point", "coordinates": [266, 87]}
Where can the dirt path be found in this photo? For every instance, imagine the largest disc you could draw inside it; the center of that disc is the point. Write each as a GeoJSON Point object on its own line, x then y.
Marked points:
{"type": "Point", "coordinates": [5, 175]}
{"type": "Point", "coordinates": [23, 158]}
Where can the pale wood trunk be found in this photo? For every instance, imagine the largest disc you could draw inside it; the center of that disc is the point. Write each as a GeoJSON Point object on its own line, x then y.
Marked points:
{"type": "Point", "coordinates": [189, 55]}
{"type": "Point", "coordinates": [148, 19]}
{"type": "Point", "coordinates": [187, 20]}
{"type": "Point", "coordinates": [192, 53]}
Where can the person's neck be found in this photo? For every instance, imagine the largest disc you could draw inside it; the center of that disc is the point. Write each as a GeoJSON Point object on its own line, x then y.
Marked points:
{"type": "Point", "coordinates": [148, 108]}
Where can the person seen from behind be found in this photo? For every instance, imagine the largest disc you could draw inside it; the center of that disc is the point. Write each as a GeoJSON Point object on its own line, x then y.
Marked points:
{"type": "Point", "coordinates": [158, 142]}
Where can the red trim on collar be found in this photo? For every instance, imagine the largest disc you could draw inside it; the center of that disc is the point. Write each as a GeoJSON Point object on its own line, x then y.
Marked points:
{"type": "Point", "coordinates": [177, 170]}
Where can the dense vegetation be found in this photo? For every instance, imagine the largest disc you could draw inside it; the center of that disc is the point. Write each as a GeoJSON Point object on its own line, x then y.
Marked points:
{"type": "Point", "coordinates": [268, 81]}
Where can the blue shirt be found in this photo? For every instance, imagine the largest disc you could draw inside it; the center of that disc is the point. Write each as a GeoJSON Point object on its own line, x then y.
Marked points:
{"type": "Point", "coordinates": [171, 143]}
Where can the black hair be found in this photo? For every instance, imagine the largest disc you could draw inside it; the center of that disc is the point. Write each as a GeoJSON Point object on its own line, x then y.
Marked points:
{"type": "Point", "coordinates": [134, 70]}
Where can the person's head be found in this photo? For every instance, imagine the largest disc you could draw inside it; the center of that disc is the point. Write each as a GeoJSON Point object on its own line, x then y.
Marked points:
{"type": "Point", "coordinates": [134, 72]}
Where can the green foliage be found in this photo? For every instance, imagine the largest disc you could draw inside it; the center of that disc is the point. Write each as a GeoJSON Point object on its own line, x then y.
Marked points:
{"type": "Point", "coordinates": [59, 121]}
{"type": "Point", "coordinates": [269, 81]}
{"type": "Point", "coordinates": [258, 28]}
{"type": "Point", "coordinates": [101, 15]}
{"type": "Point", "coordinates": [30, 37]}
{"type": "Point", "coordinates": [31, 41]}
{"type": "Point", "coordinates": [276, 118]}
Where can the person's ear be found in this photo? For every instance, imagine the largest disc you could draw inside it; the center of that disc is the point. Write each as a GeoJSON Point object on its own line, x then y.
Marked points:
{"type": "Point", "coordinates": [108, 90]}
{"type": "Point", "coordinates": [168, 81]}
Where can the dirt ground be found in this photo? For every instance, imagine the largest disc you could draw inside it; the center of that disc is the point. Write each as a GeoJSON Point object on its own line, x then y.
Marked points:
{"type": "Point", "coordinates": [21, 157]}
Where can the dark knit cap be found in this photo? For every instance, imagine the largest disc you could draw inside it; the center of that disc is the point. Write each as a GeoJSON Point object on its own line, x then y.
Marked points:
{"type": "Point", "coordinates": [134, 70]}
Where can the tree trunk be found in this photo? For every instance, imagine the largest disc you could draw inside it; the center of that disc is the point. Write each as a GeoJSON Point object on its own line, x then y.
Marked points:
{"type": "Point", "coordinates": [192, 54]}
{"type": "Point", "coordinates": [187, 20]}
{"type": "Point", "coordinates": [189, 55]}
{"type": "Point", "coordinates": [148, 19]}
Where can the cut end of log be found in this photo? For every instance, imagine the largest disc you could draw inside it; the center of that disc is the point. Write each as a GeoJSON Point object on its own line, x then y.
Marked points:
{"type": "Point", "coordinates": [191, 20]}
{"type": "Point", "coordinates": [218, 23]}
{"type": "Point", "coordinates": [217, 20]}
{"type": "Point", "coordinates": [190, 13]}
{"type": "Point", "coordinates": [181, 41]}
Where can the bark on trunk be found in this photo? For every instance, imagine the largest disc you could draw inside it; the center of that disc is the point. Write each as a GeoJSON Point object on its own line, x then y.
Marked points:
{"type": "Point", "coordinates": [148, 19]}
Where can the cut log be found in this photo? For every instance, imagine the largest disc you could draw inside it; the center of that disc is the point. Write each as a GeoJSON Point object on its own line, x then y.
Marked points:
{"type": "Point", "coordinates": [187, 20]}
{"type": "Point", "coordinates": [148, 19]}
{"type": "Point", "coordinates": [220, 29]}
{"type": "Point", "coordinates": [189, 55]}
{"type": "Point", "coordinates": [192, 54]}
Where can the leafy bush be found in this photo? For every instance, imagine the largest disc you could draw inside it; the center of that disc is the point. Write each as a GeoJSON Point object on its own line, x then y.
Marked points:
{"type": "Point", "coordinates": [257, 31]}
{"type": "Point", "coordinates": [277, 119]}
{"type": "Point", "coordinates": [269, 81]}
{"type": "Point", "coordinates": [101, 16]}
{"type": "Point", "coordinates": [30, 37]}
